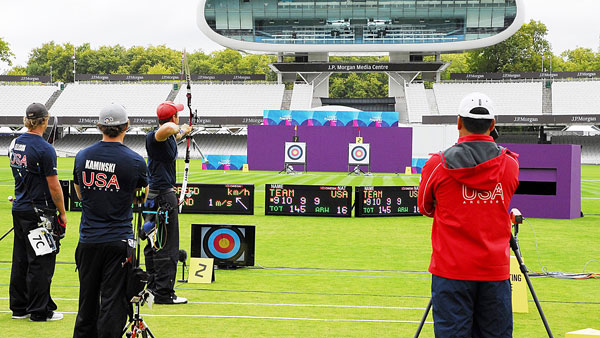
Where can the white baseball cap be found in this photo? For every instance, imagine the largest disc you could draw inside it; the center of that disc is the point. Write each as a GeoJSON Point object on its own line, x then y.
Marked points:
{"type": "Point", "coordinates": [113, 115]}
{"type": "Point", "coordinates": [476, 100]}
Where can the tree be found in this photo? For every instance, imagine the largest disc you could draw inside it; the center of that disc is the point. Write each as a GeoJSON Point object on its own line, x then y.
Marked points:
{"type": "Point", "coordinates": [580, 59]}
{"type": "Point", "coordinates": [353, 85]}
{"type": "Point", "coordinates": [5, 53]}
{"type": "Point", "coordinates": [522, 52]}
{"type": "Point", "coordinates": [60, 57]}
{"type": "Point", "coordinates": [225, 61]}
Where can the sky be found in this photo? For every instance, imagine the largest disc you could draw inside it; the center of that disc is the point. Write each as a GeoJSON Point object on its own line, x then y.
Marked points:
{"type": "Point", "coordinates": [27, 24]}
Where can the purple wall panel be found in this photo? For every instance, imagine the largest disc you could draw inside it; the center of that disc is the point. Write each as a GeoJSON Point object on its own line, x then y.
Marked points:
{"type": "Point", "coordinates": [327, 147]}
{"type": "Point", "coordinates": [566, 159]}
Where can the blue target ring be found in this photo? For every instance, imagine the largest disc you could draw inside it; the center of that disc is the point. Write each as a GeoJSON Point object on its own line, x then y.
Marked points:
{"type": "Point", "coordinates": [295, 152]}
{"type": "Point", "coordinates": [359, 153]}
{"type": "Point", "coordinates": [223, 243]}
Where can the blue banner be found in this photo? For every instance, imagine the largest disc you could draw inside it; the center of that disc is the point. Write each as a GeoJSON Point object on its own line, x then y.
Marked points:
{"type": "Point", "coordinates": [226, 162]}
{"type": "Point", "coordinates": [329, 118]}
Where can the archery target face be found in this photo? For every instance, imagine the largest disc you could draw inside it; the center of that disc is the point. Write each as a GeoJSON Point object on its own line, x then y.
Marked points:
{"type": "Point", "coordinates": [226, 244]}
{"type": "Point", "coordinates": [358, 153]}
{"type": "Point", "coordinates": [295, 152]}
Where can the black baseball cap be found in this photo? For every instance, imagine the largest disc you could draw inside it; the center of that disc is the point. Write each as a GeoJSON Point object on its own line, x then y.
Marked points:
{"type": "Point", "coordinates": [36, 110]}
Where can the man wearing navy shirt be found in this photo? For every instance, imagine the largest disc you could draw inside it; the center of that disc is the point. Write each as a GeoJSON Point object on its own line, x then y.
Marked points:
{"type": "Point", "coordinates": [161, 146]}
{"type": "Point", "coordinates": [33, 164]}
{"type": "Point", "coordinates": [107, 176]}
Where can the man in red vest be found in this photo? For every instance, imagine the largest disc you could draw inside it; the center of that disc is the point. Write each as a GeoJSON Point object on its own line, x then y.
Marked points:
{"type": "Point", "coordinates": [467, 189]}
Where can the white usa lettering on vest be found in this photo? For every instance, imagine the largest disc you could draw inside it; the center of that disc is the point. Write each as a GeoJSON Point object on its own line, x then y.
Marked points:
{"type": "Point", "coordinates": [99, 180]}
{"type": "Point", "coordinates": [470, 195]}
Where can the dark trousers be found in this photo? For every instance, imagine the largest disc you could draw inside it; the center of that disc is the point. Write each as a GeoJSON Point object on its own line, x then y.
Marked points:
{"type": "Point", "coordinates": [31, 275]}
{"type": "Point", "coordinates": [471, 308]}
{"type": "Point", "coordinates": [103, 305]}
{"type": "Point", "coordinates": [161, 265]}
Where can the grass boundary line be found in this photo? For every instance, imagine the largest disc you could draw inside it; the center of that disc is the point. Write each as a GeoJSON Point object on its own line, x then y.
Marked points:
{"type": "Point", "coordinates": [274, 318]}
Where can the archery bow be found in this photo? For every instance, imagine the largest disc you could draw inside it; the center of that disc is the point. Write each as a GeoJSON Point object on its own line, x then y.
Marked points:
{"type": "Point", "coordinates": [186, 68]}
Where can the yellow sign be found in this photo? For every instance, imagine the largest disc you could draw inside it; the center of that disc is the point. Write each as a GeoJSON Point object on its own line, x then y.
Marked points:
{"type": "Point", "coordinates": [359, 139]}
{"type": "Point", "coordinates": [583, 333]}
{"type": "Point", "coordinates": [245, 168]}
{"type": "Point", "coordinates": [519, 287]}
{"type": "Point", "coordinates": [408, 171]}
{"type": "Point", "coordinates": [201, 270]}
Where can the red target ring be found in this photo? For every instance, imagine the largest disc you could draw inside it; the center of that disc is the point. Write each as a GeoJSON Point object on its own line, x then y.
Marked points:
{"type": "Point", "coordinates": [224, 243]}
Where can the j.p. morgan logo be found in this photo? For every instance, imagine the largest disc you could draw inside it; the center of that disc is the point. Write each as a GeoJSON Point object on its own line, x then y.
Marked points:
{"type": "Point", "coordinates": [526, 119]}
{"type": "Point", "coordinates": [584, 119]}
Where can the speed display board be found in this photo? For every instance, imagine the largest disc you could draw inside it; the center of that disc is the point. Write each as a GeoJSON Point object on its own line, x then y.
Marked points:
{"type": "Point", "coordinates": [386, 201]}
{"type": "Point", "coordinates": [218, 199]}
{"type": "Point", "coordinates": [308, 200]}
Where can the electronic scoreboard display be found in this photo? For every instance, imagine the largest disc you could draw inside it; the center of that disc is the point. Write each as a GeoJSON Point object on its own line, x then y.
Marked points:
{"type": "Point", "coordinates": [386, 201]}
{"type": "Point", "coordinates": [308, 200]}
{"type": "Point", "coordinates": [218, 199]}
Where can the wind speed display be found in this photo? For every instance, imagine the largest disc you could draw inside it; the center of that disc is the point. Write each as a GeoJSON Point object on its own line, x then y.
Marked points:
{"type": "Point", "coordinates": [218, 199]}
{"type": "Point", "coordinates": [308, 200]}
{"type": "Point", "coordinates": [386, 201]}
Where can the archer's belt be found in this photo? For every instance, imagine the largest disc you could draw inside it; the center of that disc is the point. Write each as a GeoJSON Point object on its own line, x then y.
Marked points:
{"type": "Point", "coordinates": [153, 193]}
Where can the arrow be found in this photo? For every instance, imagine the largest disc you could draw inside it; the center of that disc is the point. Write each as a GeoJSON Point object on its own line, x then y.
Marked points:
{"type": "Point", "coordinates": [239, 200]}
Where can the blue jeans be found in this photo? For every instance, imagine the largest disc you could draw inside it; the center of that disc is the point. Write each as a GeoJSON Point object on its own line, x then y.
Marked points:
{"type": "Point", "coordinates": [471, 308]}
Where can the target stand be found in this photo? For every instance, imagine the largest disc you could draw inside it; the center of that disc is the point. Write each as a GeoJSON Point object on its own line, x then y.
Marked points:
{"type": "Point", "coordinates": [231, 246]}
{"type": "Point", "coordinates": [295, 154]}
{"type": "Point", "coordinates": [359, 155]}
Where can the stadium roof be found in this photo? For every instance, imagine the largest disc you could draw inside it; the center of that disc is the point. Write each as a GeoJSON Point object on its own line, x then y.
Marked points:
{"type": "Point", "coordinates": [359, 25]}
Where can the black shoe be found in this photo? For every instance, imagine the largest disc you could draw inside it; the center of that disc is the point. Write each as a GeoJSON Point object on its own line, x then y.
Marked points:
{"type": "Point", "coordinates": [173, 300]}
{"type": "Point", "coordinates": [20, 315]}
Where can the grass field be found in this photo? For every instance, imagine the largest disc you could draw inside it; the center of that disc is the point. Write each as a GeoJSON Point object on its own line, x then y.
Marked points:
{"type": "Point", "coordinates": [318, 276]}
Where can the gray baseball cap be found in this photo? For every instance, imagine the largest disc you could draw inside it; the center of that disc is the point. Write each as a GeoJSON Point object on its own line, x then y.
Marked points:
{"type": "Point", "coordinates": [113, 115]}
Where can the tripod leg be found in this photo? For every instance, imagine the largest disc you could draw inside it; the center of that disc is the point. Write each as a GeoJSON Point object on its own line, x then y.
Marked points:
{"type": "Point", "coordinates": [6, 234]}
{"type": "Point", "coordinates": [148, 329]}
{"type": "Point", "coordinates": [423, 319]}
{"type": "Point", "coordinates": [515, 248]}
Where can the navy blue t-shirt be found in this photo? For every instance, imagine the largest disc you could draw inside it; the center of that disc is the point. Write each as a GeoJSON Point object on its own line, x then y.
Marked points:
{"type": "Point", "coordinates": [161, 161]}
{"type": "Point", "coordinates": [32, 160]}
{"type": "Point", "coordinates": [108, 174]}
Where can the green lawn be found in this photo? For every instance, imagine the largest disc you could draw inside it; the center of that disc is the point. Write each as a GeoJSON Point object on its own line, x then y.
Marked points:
{"type": "Point", "coordinates": [334, 277]}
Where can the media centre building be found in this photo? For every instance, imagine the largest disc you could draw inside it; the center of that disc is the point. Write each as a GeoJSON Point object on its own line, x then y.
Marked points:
{"type": "Point", "coordinates": [406, 29]}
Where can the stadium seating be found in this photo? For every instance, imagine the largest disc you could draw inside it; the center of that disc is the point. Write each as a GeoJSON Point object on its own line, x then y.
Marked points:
{"type": "Point", "coordinates": [590, 146]}
{"type": "Point", "coordinates": [416, 101]}
{"type": "Point", "coordinates": [301, 96]}
{"type": "Point", "coordinates": [575, 97]}
{"type": "Point", "coordinates": [88, 99]}
{"type": "Point", "coordinates": [14, 99]}
{"type": "Point", "coordinates": [510, 98]}
{"type": "Point", "coordinates": [214, 100]}
{"type": "Point", "coordinates": [209, 144]}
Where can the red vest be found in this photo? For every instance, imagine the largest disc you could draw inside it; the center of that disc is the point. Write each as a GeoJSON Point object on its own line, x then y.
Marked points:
{"type": "Point", "coordinates": [471, 225]}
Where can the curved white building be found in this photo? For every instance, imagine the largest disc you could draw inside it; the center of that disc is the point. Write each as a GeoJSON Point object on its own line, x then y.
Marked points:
{"type": "Point", "coordinates": [296, 26]}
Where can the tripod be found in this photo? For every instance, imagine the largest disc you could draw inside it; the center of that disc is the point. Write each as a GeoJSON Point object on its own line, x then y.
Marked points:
{"type": "Point", "coordinates": [139, 328]}
{"type": "Point", "coordinates": [288, 169]}
{"type": "Point", "coordinates": [516, 219]}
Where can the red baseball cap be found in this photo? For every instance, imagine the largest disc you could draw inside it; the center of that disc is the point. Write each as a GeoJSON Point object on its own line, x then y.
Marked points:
{"type": "Point", "coordinates": [167, 109]}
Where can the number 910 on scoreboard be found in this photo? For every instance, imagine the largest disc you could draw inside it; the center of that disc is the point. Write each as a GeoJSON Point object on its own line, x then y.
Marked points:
{"type": "Point", "coordinates": [308, 200]}
{"type": "Point", "coordinates": [386, 201]}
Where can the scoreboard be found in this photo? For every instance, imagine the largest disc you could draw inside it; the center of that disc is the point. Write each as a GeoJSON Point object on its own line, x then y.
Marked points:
{"type": "Point", "coordinates": [386, 201]}
{"type": "Point", "coordinates": [308, 200]}
{"type": "Point", "coordinates": [218, 199]}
